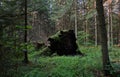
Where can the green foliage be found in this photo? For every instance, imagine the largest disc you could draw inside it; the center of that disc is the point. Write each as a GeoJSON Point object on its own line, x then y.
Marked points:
{"type": "Point", "coordinates": [23, 27]}
{"type": "Point", "coordinates": [63, 66]}
{"type": "Point", "coordinates": [81, 36]}
{"type": "Point", "coordinates": [11, 48]}
{"type": "Point", "coordinates": [67, 66]}
{"type": "Point", "coordinates": [81, 39]}
{"type": "Point", "coordinates": [115, 59]}
{"type": "Point", "coordinates": [59, 8]}
{"type": "Point", "coordinates": [38, 5]}
{"type": "Point", "coordinates": [45, 52]}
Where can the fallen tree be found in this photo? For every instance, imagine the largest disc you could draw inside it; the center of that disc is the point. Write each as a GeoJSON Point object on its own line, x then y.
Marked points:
{"type": "Point", "coordinates": [64, 43]}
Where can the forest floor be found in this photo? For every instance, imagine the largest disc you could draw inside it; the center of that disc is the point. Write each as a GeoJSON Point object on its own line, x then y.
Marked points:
{"type": "Point", "coordinates": [89, 65]}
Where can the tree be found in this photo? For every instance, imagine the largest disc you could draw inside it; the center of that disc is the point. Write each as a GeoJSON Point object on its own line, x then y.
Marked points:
{"type": "Point", "coordinates": [103, 32]}
{"type": "Point", "coordinates": [61, 14]}
{"type": "Point", "coordinates": [96, 31]}
{"type": "Point", "coordinates": [75, 1]}
{"type": "Point", "coordinates": [108, 7]}
{"type": "Point", "coordinates": [116, 7]}
{"type": "Point", "coordinates": [25, 34]}
{"type": "Point", "coordinates": [39, 18]}
{"type": "Point", "coordinates": [9, 17]}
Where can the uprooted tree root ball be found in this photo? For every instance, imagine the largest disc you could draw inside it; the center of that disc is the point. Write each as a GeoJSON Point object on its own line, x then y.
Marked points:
{"type": "Point", "coordinates": [64, 43]}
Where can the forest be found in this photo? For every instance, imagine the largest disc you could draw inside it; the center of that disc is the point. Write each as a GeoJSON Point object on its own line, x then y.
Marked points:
{"type": "Point", "coordinates": [59, 38]}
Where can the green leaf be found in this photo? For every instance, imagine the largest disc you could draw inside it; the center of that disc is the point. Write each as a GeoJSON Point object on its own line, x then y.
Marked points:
{"type": "Point", "coordinates": [29, 27]}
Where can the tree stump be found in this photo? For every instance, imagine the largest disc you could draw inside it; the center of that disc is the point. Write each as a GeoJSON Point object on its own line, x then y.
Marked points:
{"type": "Point", "coordinates": [64, 43]}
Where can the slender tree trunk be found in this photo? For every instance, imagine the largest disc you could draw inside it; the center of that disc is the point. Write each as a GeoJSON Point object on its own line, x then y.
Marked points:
{"type": "Point", "coordinates": [96, 36]}
{"type": "Point", "coordinates": [75, 18]}
{"type": "Point", "coordinates": [103, 32]}
{"type": "Point", "coordinates": [119, 36]}
{"type": "Point", "coordinates": [111, 24]}
{"type": "Point", "coordinates": [84, 21]}
{"type": "Point", "coordinates": [62, 23]}
{"type": "Point", "coordinates": [86, 31]}
{"type": "Point", "coordinates": [108, 28]}
{"type": "Point", "coordinates": [25, 35]}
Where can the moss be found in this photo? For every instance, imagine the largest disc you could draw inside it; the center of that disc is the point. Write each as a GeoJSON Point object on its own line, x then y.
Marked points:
{"type": "Point", "coordinates": [56, 36]}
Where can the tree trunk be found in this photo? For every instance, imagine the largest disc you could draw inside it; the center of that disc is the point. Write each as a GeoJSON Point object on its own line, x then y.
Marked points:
{"type": "Point", "coordinates": [103, 32]}
{"type": "Point", "coordinates": [96, 36]}
{"type": "Point", "coordinates": [75, 18]}
{"type": "Point", "coordinates": [84, 20]}
{"type": "Point", "coordinates": [118, 35]}
{"type": "Point", "coordinates": [111, 24]}
{"type": "Point", "coordinates": [108, 28]}
{"type": "Point", "coordinates": [25, 35]}
{"type": "Point", "coordinates": [110, 35]}
{"type": "Point", "coordinates": [86, 31]}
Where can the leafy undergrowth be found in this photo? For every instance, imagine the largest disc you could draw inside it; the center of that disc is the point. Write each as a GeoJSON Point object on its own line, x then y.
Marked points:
{"type": "Point", "coordinates": [115, 59]}
{"type": "Point", "coordinates": [67, 66]}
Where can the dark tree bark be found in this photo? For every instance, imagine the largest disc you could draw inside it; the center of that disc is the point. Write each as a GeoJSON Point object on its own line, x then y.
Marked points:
{"type": "Point", "coordinates": [25, 35]}
{"type": "Point", "coordinates": [102, 26]}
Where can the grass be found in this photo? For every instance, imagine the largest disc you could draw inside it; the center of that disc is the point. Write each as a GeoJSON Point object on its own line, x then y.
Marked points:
{"type": "Point", "coordinates": [115, 58]}
{"type": "Point", "coordinates": [67, 66]}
